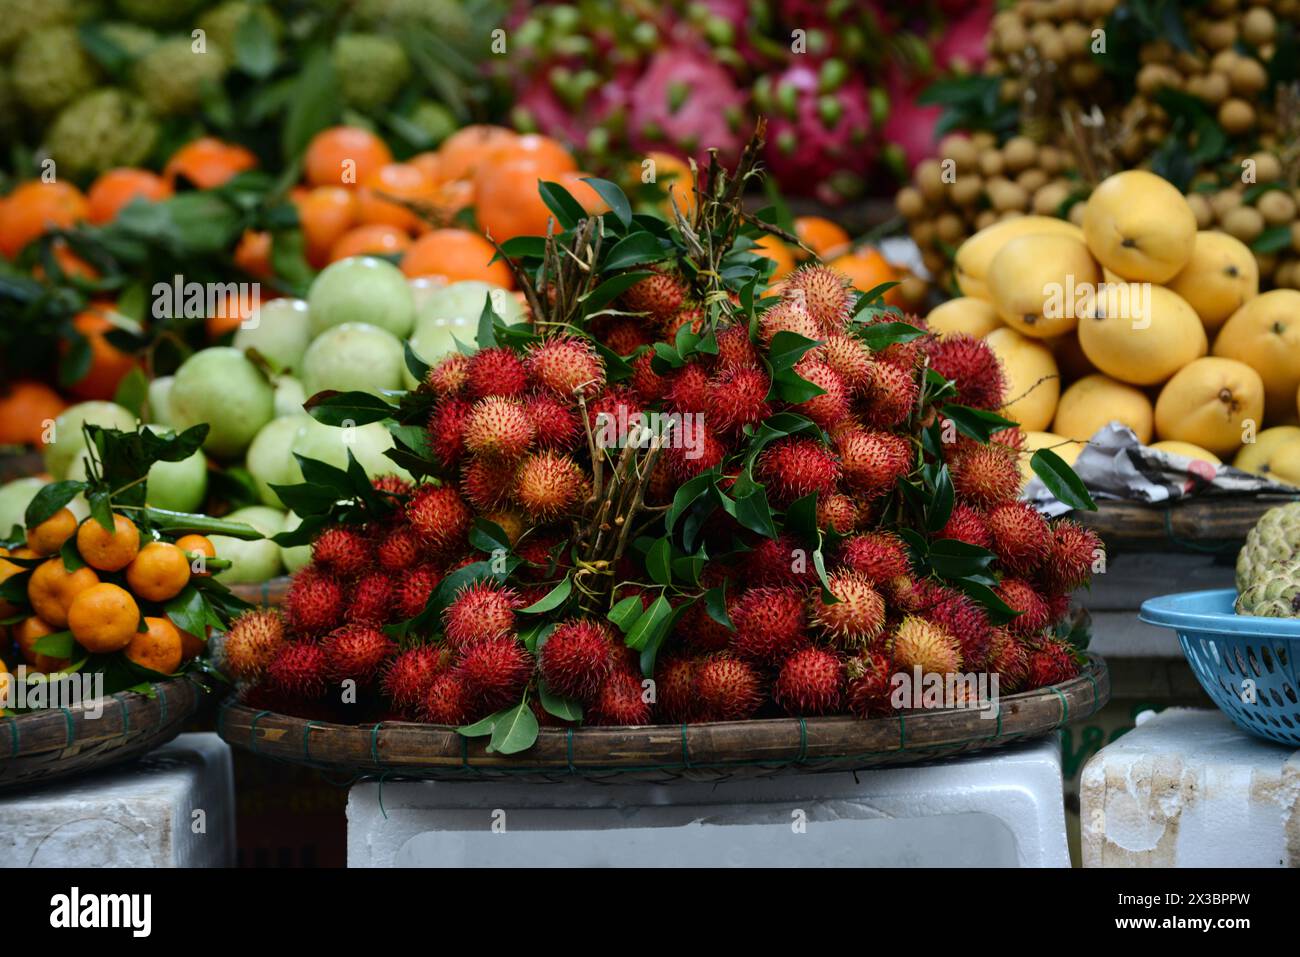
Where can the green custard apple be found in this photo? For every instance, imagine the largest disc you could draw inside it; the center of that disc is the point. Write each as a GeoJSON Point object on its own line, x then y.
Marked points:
{"type": "Point", "coordinates": [14, 499]}
{"type": "Point", "coordinates": [270, 456]}
{"type": "Point", "coordinates": [178, 486]}
{"type": "Point", "coordinates": [362, 289]}
{"type": "Point", "coordinates": [99, 131]}
{"type": "Point", "coordinates": [280, 331]}
{"type": "Point", "coordinates": [68, 442]}
{"type": "Point", "coordinates": [51, 68]}
{"type": "Point", "coordinates": [221, 387]}
{"type": "Point", "coordinates": [1274, 540]}
{"type": "Point", "coordinates": [173, 77]}
{"type": "Point", "coordinates": [371, 69]}
{"type": "Point", "coordinates": [1273, 593]}
{"type": "Point", "coordinates": [367, 443]}
{"type": "Point", "coordinates": [255, 561]}
{"type": "Point", "coordinates": [355, 356]}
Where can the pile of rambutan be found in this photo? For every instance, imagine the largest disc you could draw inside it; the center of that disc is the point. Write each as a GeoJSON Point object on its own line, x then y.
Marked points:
{"type": "Point", "coordinates": [828, 499]}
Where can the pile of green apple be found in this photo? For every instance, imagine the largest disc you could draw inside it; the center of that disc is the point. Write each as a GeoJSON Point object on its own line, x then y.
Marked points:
{"type": "Point", "coordinates": [348, 335]}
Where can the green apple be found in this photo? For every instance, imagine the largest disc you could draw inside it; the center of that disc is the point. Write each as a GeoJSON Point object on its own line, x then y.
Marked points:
{"type": "Point", "coordinates": [159, 400]}
{"type": "Point", "coordinates": [255, 561]}
{"type": "Point", "coordinates": [451, 314]}
{"type": "Point", "coordinates": [289, 395]}
{"type": "Point", "coordinates": [294, 557]}
{"type": "Point", "coordinates": [14, 499]}
{"type": "Point", "coordinates": [177, 486]}
{"type": "Point", "coordinates": [362, 289]}
{"type": "Point", "coordinates": [68, 442]}
{"type": "Point", "coordinates": [331, 445]}
{"type": "Point", "coordinates": [353, 357]}
{"type": "Point", "coordinates": [279, 330]}
{"type": "Point", "coordinates": [270, 456]}
{"type": "Point", "coordinates": [221, 387]}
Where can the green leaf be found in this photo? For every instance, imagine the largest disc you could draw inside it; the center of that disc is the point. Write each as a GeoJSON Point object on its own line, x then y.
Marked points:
{"type": "Point", "coordinates": [566, 709]}
{"type": "Point", "coordinates": [613, 197]}
{"type": "Point", "coordinates": [609, 290]}
{"type": "Point", "coordinates": [1272, 240]}
{"type": "Point", "coordinates": [523, 247]}
{"type": "Point", "coordinates": [481, 727]}
{"type": "Point", "coordinates": [801, 517]}
{"type": "Point", "coordinates": [101, 508]}
{"type": "Point", "coordinates": [881, 335]}
{"type": "Point", "coordinates": [315, 103]}
{"type": "Point", "coordinates": [658, 562]}
{"type": "Point", "coordinates": [255, 50]}
{"type": "Point", "coordinates": [753, 512]}
{"type": "Point", "coordinates": [786, 349]}
{"type": "Point", "coordinates": [348, 408]}
{"type": "Point", "coordinates": [59, 644]}
{"type": "Point", "coordinates": [978, 424]}
{"type": "Point", "coordinates": [636, 249]}
{"type": "Point", "coordinates": [687, 493]}
{"type": "Point", "coordinates": [189, 610]}
{"type": "Point", "coordinates": [50, 499]}
{"type": "Point", "coordinates": [940, 508]}
{"type": "Point", "coordinates": [486, 336]}
{"type": "Point", "coordinates": [951, 558]}
{"type": "Point", "coordinates": [418, 368]}
{"type": "Point", "coordinates": [553, 599]}
{"type": "Point", "coordinates": [650, 619]}
{"type": "Point", "coordinates": [715, 603]}
{"type": "Point", "coordinates": [515, 731]}
{"type": "Point", "coordinates": [568, 211]}
{"type": "Point", "coordinates": [791, 387]}
{"type": "Point", "coordinates": [1061, 480]}
{"type": "Point", "coordinates": [320, 473]}
{"type": "Point", "coordinates": [72, 559]}
{"type": "Point", "coordinates": [625, 613]}
{"type": "Point", "coordinates": [998, 611]}
{"type": "Point", "coordinates": [132, 391]}
{"type": "Point", "coordinates": [488, 536]}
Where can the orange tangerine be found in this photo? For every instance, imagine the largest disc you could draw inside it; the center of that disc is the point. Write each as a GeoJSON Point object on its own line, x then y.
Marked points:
{"type": "Point", "coordinates": [49, 536]}
{"type": "Point", "coordinates": [394, 181]}
{"type": "Point", "coordinates": [372, 240]}
{"type": "Point", "coordinates": [344, 156]}
{"type": "Point", "coordinates": [823, 237]}
{"type": "Point", "coordinates": [26, 407]}
{"type": "Point", "coordinates": [29, 631]}
{"type": "Point", "coordinates": [115, 189]}
{"type": "Point", "coordinates": [105, 550]}
{"type": "Point", "coordinates": [36, 207]}
{"type": "Point", "coordinates": [158, 648]}
{"type": "Point", "coordinates": [197, 547]}
{"type": "Point", "coordinates": [772, 248]}
{"type": "Point", "coordinates": [104, 618]}
{"type": "Point", "coordinates": [463, 152]}
{"type": "Point", "coordinates": [159, 572]}
{"type": "Point", "coordinates": [455, 254]}
{"type": "Point", "coordinates": [52, 589]}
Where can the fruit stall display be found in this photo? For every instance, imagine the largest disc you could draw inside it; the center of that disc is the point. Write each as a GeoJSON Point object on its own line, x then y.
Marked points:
{"type": "Point", "coordinates": [840, 504]}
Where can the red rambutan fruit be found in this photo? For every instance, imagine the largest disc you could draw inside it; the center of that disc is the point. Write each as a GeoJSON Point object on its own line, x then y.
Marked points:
{"type": "Point", "coordinates": [780, 561]}
{"type": "Point", "coordinates": [357, 652]}
{"type": "Point", "coordinates": [1058, 606]}
{"type": "Point", "coordinates": [698, 631]}
{"type": "Point", "coordinates": [370, 600]}
{"type": "Point", "coordinates": [549, 484]}
{"type": "Point", "coordinates": [726, 689]}
{"type": "Point", "coordinates": [890, 396]}
{"type": "Point", "coordinates": [413, 591]}
{"type": "Point", "coordinates": [481, 609]}
{"type": "Point", "coordinates": [567, 365]}
{"type": "Point", "coordinates": [838, 513]}
{"type": "Point", "coordinates": [449, 375]}
{"type": "Point", "coordinates": [826, 293]}
{"type": "Point", "coordinates": [1020, 596]}
{"type": "Point", "coordinates": [986, 476]}
{"type": "Point", "coordinates": [920, 643]}
{"type": "Point", "coordinates": [313, 604]}
{"type": "Point", "coordinates": [392, 485]}
{"type": "Point", "coordinates": [739, 398]}
{"type": "Point", "coordinates": [488, 483]}
{"type": "Point", "coordinates": [298, 670]}
{"type": "Point", "coordinates": [496, 371]}
{"type": "Point", "coordinates": [342, 552]}
{"type": "Point", "coordinates": [675, 689]}
{"type": "Point", "coordinates": [1009, 658]}
{"type": "Point", "coordinates": [705, 451]}
{"type": "Point", "coordinates": [577, 657]}
{"type": "Point", "coordinates": [794, 467]}
{"type": "Point", "coordinates": [649, 385]}
{"type": "Point", "coordinates": [1011, 438]}
{"type": "Point", "coordinates": [1073, 554]}
{"type": "Point", "coordinates": [873, 462]}
{"type": "Point", "coordinates": [495, 671]}
{"type": "Point", "coordinates": [735, 349]}
{"type": "Point", "coordinates": [252, 642]}
{"type": "Point", "coordinates": [905, 355]}
{"type": "Point", "coordinates": [770, 624]}
{"type": "Point", "coordinates": [447, 430]}
{"type": "Point", "coordinates": [690, 390]}
{"type": "Point", "coordinates": [972, 366]}
{"type": "Point", "coordinates": [1051, 663]}
{"type": "Point", "coordinates": [966, 524]}
{"type": "Point", "coordinates": [499, 428]}
{"type": "Point", "coordinates": [613, 414]}
{"type": "Point", "coordinates": [660, 296]}
{"type": "Point", "coordinates": [867, 692]}
{"type": "Point", "coordinates": [691, 317]}
{"type": "Point", "coordinates": [859, 615]}
{"type": "Point", "coordinates": [439, 517]}
{"type": "Point", "coordinates": [878, 556]}
{"type": "Point", "coordinates": [398, 550]}
{"type": "Point", "coordinates": [960, 616]}
{"type": "Point", "coordinates": [620, 700]}
{"type": "Point", "coordinates": [833, 404]}
{"type": "Point", "coordinates": [1021, 537]}
{"type": "Point", "coordinates": [445, 700]}
{"type": "Point", "coordinates": [624, 336]}
{"type": "Point", "coordinates": [543, 554]}
{"type": "Point", "coordinates": [407, 678]}
{"type": "Point", "coordinates": [788, 316]}
{"type": "Point", "coordinates": [555, 423]}
{"type": "Point", "coordinates": [810, 683]}
{"type": "Point", "coordinates": [851, 360]}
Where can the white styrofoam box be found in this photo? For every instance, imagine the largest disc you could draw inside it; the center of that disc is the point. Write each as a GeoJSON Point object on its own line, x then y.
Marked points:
{"type": "Point", "coordinates": [996, 808]}
{"type": "Point", "coordinates": [139, 814]}
{"type": "Point", "coordinates": [1186, 788]}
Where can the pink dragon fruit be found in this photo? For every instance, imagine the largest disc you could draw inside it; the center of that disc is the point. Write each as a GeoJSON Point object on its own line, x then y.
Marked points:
{"type": "Point", "coordinates": [820, 130]}
{"type": "Point", "coordinates": [577, 107]}
{"type": "Point", "coordinates": [685, 102]}
{"type": "Point", "coordinates": [909, 132]}
{"type": "Point", "coordinates": [962, 45]}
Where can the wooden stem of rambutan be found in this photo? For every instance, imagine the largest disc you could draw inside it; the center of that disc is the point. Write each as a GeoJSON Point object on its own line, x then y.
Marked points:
{"type": "Point", "coordinates": [568, 273]}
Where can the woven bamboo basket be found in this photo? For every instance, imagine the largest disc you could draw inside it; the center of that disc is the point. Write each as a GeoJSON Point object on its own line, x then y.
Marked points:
{"type": "Point", "coordinates": [710, 752]}
{"type": "Point", "coordinates": [42, 746]}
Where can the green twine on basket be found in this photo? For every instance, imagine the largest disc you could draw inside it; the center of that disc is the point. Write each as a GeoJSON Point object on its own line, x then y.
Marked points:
{"type": "Point", "coordinates": [374, 744]}
{"type": "Point", "coordinates": [67, 715]}
{"type": "Point", "coordinates": [14, 734]}
{"type": "Point", "coordinates": [126, 717]}
{"type": "Point", "coordinates": [686, 749]}
{"type": "Point", "coordinates": [1065, 706]}
{"type": "Point", "coordinates": [568, 749]}
{"type": "Point", "coordinates": [803, 742]}
{"type": "Point", "coordinates": [252, 728]}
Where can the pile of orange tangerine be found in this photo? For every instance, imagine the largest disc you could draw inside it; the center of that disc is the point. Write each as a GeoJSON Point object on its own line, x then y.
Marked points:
{"type": "Point", "coordinates": [111, 603]}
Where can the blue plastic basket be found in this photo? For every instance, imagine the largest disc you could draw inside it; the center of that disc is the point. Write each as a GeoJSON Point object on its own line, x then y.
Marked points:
{"type": "Point", "coordinates": [1248, 665]}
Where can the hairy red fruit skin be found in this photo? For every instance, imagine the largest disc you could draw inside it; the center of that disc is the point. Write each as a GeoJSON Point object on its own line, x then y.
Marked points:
{"type": "Point", "coordinates": [1073, 553]}
{"type": "Point", "coordinates": [398, 550]}
{"type": "Point", "coordinates": [735, 349]}
{"type": "Point", "coordinates": [413, 591]}
{"type": "Point", "coordinates": [439, 517]}
{"type": "Point", "coordinates": [649, 385]}
{"type": "Point", "coordinates": [967, 524]}
{"type": "Point", "coordinates": [960, 617]}
{"type": "Point", "coordinates": [795, 467]}
{"type": "Point", "coordinates": [890, 396]}
{"type": "Point", "coordinates": [770, 624]}
{"type": "Point", "coordinates": [973, 367]}
{"type": "Point", "coordinates": [1021, 537]}
{"type": "Point", "coordinates": [825, 293]}
{"type": "Point", "coordinates": [689, 391]}
{"type": "Point", "coordinates": [1051, 663]}
{"type": "Point", "coordinates": [496, 371]}
{"type": "Point", "coordinates": [660, 296]}
{"type": "Point", "coordinates": [675, 691]}
{"type": "Point", "coordinates": [313, 604]}
{"type": "Point", "coordinates": [868, 687]}
{"type": "Point", "coordinates": [739, 398]}
{"type": "Point", "coordinates": [495, 671]}
{"type": "Point", "coordinates": [986, 476]}
{"type": "Point", "coordinates": [407, 677]}
{"type": "Point", "coordinates": [480, 610]}
{"type": "Point", "coordinates": [298, 671]}
{"type": "Point", "coordinates": [488, 484]}
{"type": "Point", "coordinates": [787, 316]}
{"type": "Point", "coordinates": [838, 513]}
{"type": "Point", "coordinates": [832, 405]}
{"type": "Point", "coordinates": [880, 556]}
{"type": "Point", "coordinates": [555, 424]}
{"type": "Point", "coordinates": [446, 700]}
{"type": "Point", "coordinates": [567, 365]}
{"type": "Point", "coordinates": [1021, 596]}
{"type": "Point", "coordinates": [499, 428]}
{"type": "Point", "coordinates": [371, 600]}
{"type": "Point", "coordinates": [873, 462]}
{"type": "Point", "coordinates": [727, 689]}
{"type": "Point", "coordinates": [621, 700]}
{"type": "Point", "coordinates": [447, 430]}
{"type": "Point", "coordinates": [705, 452]}
{"type": "Point", "coordinates": [577, 658]}
{"type": "Point", "coordinates": [780, 561]}
{"type": "Point", "coordinates": [859, 615]}
{"type": "Point", "coordinates": [342, 552]}
{"type": "Point", "coordinates": [357, 653]}
{"type": "Point", "coordinates": [549, 484]}
{"type": "Point", "coordinates": [1009, 658]}
{"type": "Point", "coordinates": [252, 642]}
{"type": "Point", "coordinates": [449, 376]}
{"type": "Point", "coordinates": [811, 683]}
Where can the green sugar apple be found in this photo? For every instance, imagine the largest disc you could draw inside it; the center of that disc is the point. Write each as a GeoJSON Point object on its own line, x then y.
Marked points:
{"type": "Point", "coordinates": [1273, 593]}
{"type": "Point", "coordinates": [1274, 540]}
{"type": "Point", "coordinates": [172, 78]}
{"type": "Point", "coordinates": [371, 69]}
{"type": "Point", "coordinates": [51, 69]}
{"type": "Point", "coordinates": [99, 131]}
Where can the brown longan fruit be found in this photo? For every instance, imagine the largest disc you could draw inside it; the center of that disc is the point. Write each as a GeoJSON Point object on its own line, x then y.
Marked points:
{"type": "Point", "coordinates": [1077, 38]}
{"type": "Point", "coordinates": [1050, 159]}
{"type": "Point", "coordinates": [929, 179]}
{"type": "Point", "coordinates": [1049, 198]}
{"type": "Point", "coordinates": [967, 190]}
{"type": "Point", "coordinates": [1010, 90]}
{"type": "Point", "coordinates": [909, 202]}
{"type": "Point", "coordinates": [1258, 26]}
{"type": "Point", "coordinates": [1276, 207]}
{"type": "Point", "coordinates": [1267, 263]}
{"type": "Point", "coordinates": [1019, 153]}
{"type": "Point", "coordinates": [950, 229]}
{"type": "Point", "coordinates": [1225, 202]}
{"type": "Point", "coordinates": [1012, 39]}
{"type": "Point", "coordinates": [1077, 212]}
{"type": "Point", "coordinates": [1218, 34]}
{"type": "Point", "coordinates": [1223, 60]}
{"type": "Point", "coordinates": [1032, 179]}
{"type": "Point", "coordinates": [1158, 51]}
{"type": "Point", "coordinates": [985, 218]}
{"type": "Point", "coordinates": [912, 289]}
{"type": "Point", "coordinates": [1222, 7]}
{"type": "Point", "coordinates": [1244, 222]}
{"type": "Point", "coordinates": [923, 232]}
{"type": "Point", "coordinates": [1201, 209]}
{"type": "Point", "coordinates": [1295, 237]}
{"type": "Point", "coordinates": [991, 163]}
{"type": "Point", "coordinates": [1084, 74]}
{"type": "Point", "coordinates": [1267, 167]}
{"type": "Point", "coordinates": [1158, 76]}
{"type": "Point", "coordinates": [960, 150]}
{"type": "Point", "coordinates": [935, 263]}
{"type": "Point", "coordinates": [1236, 116]}
{"type": "Point", "coordinates": [1189, 64]}
{"type": "Point", "coordinates": [1213, 88]}
{"type": "Point", "coordinates": [1006, 195]}
{"type": "Point", "coordinates": [1248, 76]}
{"type": "Point", "coordinates": [984, 140]}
